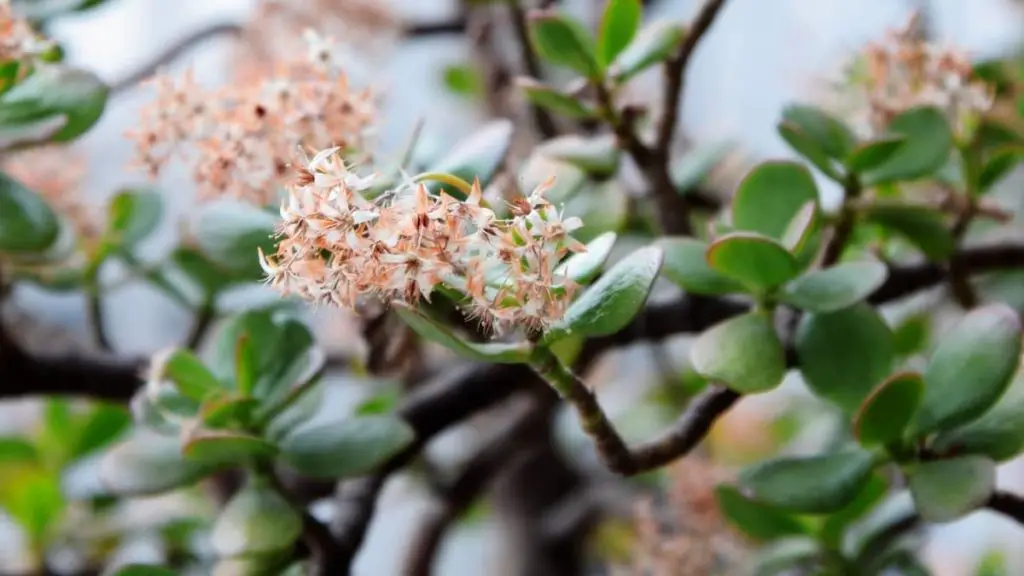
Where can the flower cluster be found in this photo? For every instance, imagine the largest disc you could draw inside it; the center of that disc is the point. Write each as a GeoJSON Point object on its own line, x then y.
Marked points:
{"type": "Point", "coordinates": [338, 246]}
{"type": "Point", "coordinates": [18, 41]}
{"type": "Point", "coordinates": [241, 139]}
{"type": "Point", "coordinates": [903, 72]}
{"type": "Point", "coordinates": [276, 26]}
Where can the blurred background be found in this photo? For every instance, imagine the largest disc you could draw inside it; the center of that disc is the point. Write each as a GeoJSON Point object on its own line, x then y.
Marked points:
{"type": "Point", "coordinates": [759, 56]}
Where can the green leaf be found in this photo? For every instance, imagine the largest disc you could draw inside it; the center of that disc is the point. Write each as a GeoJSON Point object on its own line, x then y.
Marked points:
{"type": "Point", "coordinates": [888, 409]}
{"type": "Point", "coordinates": [231, 233]}
{"type": "Point", "coordinates": [786, 555]}
{"type": "Point", "coordinates": [463, 80]}
{"type": "Point", "coordinates": [829, 134]}
{"type": "Point", "coordinates": [583, 267]}
{"type": "Point", "coordinates": [256, 521]}
{"type": "Point", "coordinates": [770, 196]}
{"type": "Point", "coordinates": [835, 288]}
{"type": "Point", "coordinates": [27, 224]}
{"type": "Point", "coordinates": [427, 327]}
{"type": "Point", "coordinates": [970, 369]}
{"type": "Point", "coordinates": [55, 91]}
{"type": "Point", "coordinates": [758, 521]}
{"type": "Point", "coordinates": [15, 450]}
{"type": "Point", "coordinates": [221, 447]}
{"type": "Point", "coordinates": [133, 215]}
{"type": "Point", "coordinates": [228, 410]}
{"type": "Point", "coordinates": [871, 155]}
{"type": "Point", "coordinates": [351, 447]}
{"type": "Point", "coordinates": [603, 207]}
{"type": "Point", "coordinates": [188, 373]}
{"type": "Point", "coordinates": [148, 464]}
{"type": "Point", "coordinates": [101, 425]}
{"type": "Point", "coordinates": [800, 230]}
{"type": "Point", "coordinates": [208, 276]}
{"type": "Point", "coordinates": [929, 141]}
{"type": "Point", "coordinates": [609, 304]}
{"type": "Point", "coordinates": [1000, 163]}
{"type": "Point", "coordinates": [806, 146]}
{"type": "Point", "coordinates": [479, 155]}
{"type": "Point", "coordinates": [835, 525]}
{"type": "Point", "coordinates": [144, 570]}
{"type": "Point", "coordinates": [619, 24]}
{"type": "Point", "coordinates": [33, 498]}
{"type": "Point", "coordinates": [925, 227]}
{"type": "Point", "coordinates": [812, 485]}
{"type": "Point", "coordinates": [561, 41]}
{"type": "Point", "coordinates": [945, 490]}
{"type": "Point", "coordinates": [998, 434]}
{"type": "Point", "coordinates": [844, 354]}
{"type": "Point", "coordinates": [686, 264]}
{"type": "Point", "coordinates": [597, 156]}
{"type": "Point", "coordinates": [758, 262]}
{"type": "Point", "coordinates": [547, 97]}
{"type": "Point", "coordinates": [693, 166]}
{"type": "Point", "coordinates": [744, 353]}
{"type": "Point", "coordinates": [655, 43]}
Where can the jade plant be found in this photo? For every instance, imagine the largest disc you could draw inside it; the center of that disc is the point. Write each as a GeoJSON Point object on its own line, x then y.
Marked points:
{"type": "Point", "coordinates": [493, 272]}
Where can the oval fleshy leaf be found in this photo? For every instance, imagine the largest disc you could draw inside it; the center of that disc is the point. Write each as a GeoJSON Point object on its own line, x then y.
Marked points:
{"type": "Point", "coordinates": [756, 520]}
{"type": "Point", "coordinates": [147, 464]}
{"type": "Point", "coordinates": [619, 24]}
{"type": "Point", "coordinates": [872, 154]}
{"type": "Point", "coordinates": [27, 223]}
{"type": "Point", "coordinates": [231, 233]}
{"type": "Point", "coordinates": [133, 215]}
{"type": "Point", "coordinates": [547, 97]}
{"type": "Point", "coordinates": [144, 570]}
{"type": "Point", "coordinates": [924, 227]}
{"type": "Point", "coordinates": [970, 369]}
{"type": "Point", "coordinates": [945, 490]}
{"type": "Point", "coordinates": [610, 303]}
{"type": "Point", "coordinates": [805, 145]}
{"type": "Point", "coordinates": [188, 373]}
{"type": "Point", "coordinates": [844, 354]}
{"type": "Point", "coordinates": [998, 434]}
{"type": "Point", "coordinates": [929, 141]}
{"type": "Point", "coordinates": [350, 447]}
{"type": "Point", "coordinates": [655, 42]}
{"type": "Point", "coordinates": [256, 521]}
{"type": "Point", "coordinates": [758, 262]}
{"type": "Point", "coordinates": [429, 328]}
{"type": "Point", "coordinates": [770, 196]}
{"type": "Point", "coordinates": [478, 156]}
{"type": "Point", "coordinates": [835, 288]}
{"type": "Point", "coordinates": [582, 268]}
{"type": "Point", "coordinates": [597, 156]}
{"type": "Point", "coordinates": [800, 229]}
{"type": "Point", "coordinates": [829, 134]}
{"type": "Point", "coordinates": [686, 265]}
{"type": "Point", "coordinates": [744, 353]}
{"type": "Point", "coordinates": [221, 447]}
{"type": "Point", "coordinates": [811, 485]}
{"type": "Point", "coordinates": [888, 409]}
{"type": "Point", "coordinates": [560, 40]}
{"type": "Point", "coordinates": [694, 165]}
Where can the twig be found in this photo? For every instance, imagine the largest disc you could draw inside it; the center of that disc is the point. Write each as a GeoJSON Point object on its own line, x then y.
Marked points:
{"type": "Point", "coordinates": [201, 325]}
{"type": "Point", "coordinates": [544, 122]}
{"type": "Point", "coordinates": [882, 540]}
{"type": "Point", "coordinates": [910, 279]}
{"type": "Point", "coordinates": [675, 73]}
{"type": "Point", "coordinates": [1007, 504]}
{"type": "Point", "coordinates": [467, 487]}
{"type": "Point", "coordinates": [681, 437]}
{"type": "Point", "coordinates": [94, 312]}
{"type": "Point", "coordinates": [847, 220]}
{"type": "Point", "coordinates": [443, 28]}
{"type": "Point", "coordinates": [173, 52]}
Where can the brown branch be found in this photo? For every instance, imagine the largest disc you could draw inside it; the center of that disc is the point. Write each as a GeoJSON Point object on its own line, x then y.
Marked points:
{"type": "Point", "coordinates": [1007, 504]}
{"type": "Point", "coordinates": [172, 53]}
{"type": "Point", "coordinates": [542, 120]}
{"type": "Point", "coordinates": [910, 279]}
{"type": "Point", "coordinates": [474, 478]}
{"type": "Point", "coordinates": [687, 431]}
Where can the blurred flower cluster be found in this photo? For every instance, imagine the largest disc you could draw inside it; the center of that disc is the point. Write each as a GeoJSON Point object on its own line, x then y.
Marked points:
{"type": "Point", "coordinates": [902, 72]}
{"type": "Point", "coordinates": [240, 140]}
{"type": "Point", "coordinates": [275, 29]}
{"type": "Point", "coordinates": [18, 41]}
{"type": "Point", "coordinates": [338, 246]}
